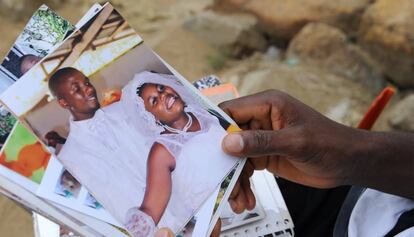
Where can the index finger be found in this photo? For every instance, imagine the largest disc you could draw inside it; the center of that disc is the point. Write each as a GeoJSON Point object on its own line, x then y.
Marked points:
{"type": "Point", "coordinates": [256, 111]}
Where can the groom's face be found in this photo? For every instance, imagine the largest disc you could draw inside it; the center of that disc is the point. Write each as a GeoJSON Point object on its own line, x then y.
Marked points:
{"type": "Point", "coordinates": [78, 95]}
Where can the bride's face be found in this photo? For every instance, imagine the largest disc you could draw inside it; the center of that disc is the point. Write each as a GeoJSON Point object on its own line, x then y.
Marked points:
{"type": "Point", "coordinates": [163, 102]}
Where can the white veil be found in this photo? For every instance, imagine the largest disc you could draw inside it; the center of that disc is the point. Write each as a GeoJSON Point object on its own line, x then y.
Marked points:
{"type": "Point", "coordinates": [136, 110]}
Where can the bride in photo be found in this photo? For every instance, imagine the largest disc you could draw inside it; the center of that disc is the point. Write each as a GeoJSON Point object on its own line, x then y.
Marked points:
{"type": "Point", "coordinates": [185, 163]}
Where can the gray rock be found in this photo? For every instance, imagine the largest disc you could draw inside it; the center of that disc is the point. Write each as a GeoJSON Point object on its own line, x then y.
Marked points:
{"type": "Point", "coordinates": [235, 32]}
{"type": "Point", "coordinates": [342, 99]}
{"type": "Point", "coordinates": [386, 32]}
{"type": "Point", "coordinates": [273, 53]}
{"type": "Point", "coordinates": [284, 18]}
{"type": "Point", "coordinates": [401, 116]}
{"type": "Point", "coordinates": [327, 47]}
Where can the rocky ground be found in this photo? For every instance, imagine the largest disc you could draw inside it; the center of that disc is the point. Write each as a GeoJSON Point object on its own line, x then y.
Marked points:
{"type": "Point", "coordinates": [334, 55]}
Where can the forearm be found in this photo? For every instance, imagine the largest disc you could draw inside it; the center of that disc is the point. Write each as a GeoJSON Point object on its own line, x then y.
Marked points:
{"type": "Point", "coordinates": [295, 142]}
{"type": "Point", "coordinates": [383, 161]}
{"type": "Point", "coordinates": [156, 198]}
{"type": "Point", "coordinates": [159, 183]}
{"type": "Point", "coordinates": [154, 213]}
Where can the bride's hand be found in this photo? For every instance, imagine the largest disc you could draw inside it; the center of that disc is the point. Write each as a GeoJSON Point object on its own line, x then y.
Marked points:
{"type": "Point", "coordinates": [139, 224]}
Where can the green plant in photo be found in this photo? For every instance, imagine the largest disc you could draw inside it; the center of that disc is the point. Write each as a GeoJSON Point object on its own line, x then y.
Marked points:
{"type": "Point", "coordinates": [56, 24]}
{"type": "Point", "coordinates": [7, 121]}
{"type": "Point", "coordinates": [223, 187]}
{"type": "Point", "coordinates": [47, 27]}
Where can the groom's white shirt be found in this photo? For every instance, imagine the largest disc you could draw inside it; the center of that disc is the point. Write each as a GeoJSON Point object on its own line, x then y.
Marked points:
{"type": "Point", "coordinates": [109, 156]}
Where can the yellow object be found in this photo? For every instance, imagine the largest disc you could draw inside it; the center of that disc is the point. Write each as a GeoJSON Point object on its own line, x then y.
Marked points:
{"type": "Point", "coordinates": [233, 128]}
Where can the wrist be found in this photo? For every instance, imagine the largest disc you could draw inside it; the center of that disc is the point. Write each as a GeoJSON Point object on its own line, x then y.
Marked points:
{"type": "Point", "coordinates": [382, 161]}
{"type": "Point", "coordinates": [370, 158]}
{"type": "Point", "coordinates": [358, 156]}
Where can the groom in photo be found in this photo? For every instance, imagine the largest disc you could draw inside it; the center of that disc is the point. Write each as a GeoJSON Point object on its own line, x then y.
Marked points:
{"type": "Point", "coordinates": [101, 150]}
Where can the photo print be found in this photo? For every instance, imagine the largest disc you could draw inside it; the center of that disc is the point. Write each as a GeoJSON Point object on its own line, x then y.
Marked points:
{"type": "Point", "coordinates": [230, 220]}
{"type": "Point", "coordinates": [44, 31]}
{"type": "Point", "coordinates": [67, 185]}
{"type": "Point", "coordinates": [24, 154]}
{"type": "Point", "coordinates": [60, 186]}
{"type": "Point", "coordinates": [22, 184]}
{"type": "Point", "coordinates": [7, 122]}
{"type": "Point", "coordinates": [92, 202]}
{"type": "Point", "coordinates": [141, 139]}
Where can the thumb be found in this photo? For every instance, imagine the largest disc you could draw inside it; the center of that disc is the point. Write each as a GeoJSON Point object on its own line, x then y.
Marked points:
{"type": "Point", "coordinates": [252, 143]}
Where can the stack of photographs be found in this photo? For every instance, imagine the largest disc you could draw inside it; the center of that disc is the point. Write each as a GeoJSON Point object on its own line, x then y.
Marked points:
{"type": "Point", "coordinates": [23, 158]}
{"type": "Point", "coordinates": [104, 138]}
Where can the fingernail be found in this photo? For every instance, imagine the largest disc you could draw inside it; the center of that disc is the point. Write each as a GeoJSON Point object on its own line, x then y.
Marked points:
{"type": "Point", "coordinates": [233, 143]}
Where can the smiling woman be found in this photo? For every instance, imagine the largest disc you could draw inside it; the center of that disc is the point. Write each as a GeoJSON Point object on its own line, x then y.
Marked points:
{"type": "Point", "coordinates": [185, 143]}
{"type": "Point", "coordinates": [168, 108]}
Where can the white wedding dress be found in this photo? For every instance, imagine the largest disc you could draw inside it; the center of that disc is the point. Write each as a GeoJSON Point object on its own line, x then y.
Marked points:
{"type": "Point", "coordinates": [201, 166]}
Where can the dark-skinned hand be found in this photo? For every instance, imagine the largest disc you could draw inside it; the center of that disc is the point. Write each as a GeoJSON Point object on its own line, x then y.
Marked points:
{"type": "Point", "coordinates": [289, 139]}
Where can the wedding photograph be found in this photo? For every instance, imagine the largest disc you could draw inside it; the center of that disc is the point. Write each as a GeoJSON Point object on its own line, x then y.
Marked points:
{"type": "Point", "coordinates": [144, 143]}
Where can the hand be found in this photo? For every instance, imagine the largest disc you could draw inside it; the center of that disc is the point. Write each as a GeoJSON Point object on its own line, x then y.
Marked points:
{"type": "Point", "coordinates": [53, 138]}
{"type": "Point", "coordinates": [289, 139]}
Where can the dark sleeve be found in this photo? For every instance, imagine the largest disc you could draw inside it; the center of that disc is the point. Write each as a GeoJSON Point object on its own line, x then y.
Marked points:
{"type": "Point", "coordinates": [313, 210]}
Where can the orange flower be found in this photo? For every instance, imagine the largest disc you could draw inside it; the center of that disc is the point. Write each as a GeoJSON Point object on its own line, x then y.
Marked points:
{"type": "Point", "coordinates": [111, 97]}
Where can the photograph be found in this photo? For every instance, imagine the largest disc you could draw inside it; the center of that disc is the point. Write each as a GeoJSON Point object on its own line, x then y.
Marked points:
{"type": "Point", "coordinates": [44, 31]}
{"type": "Point", "coordinates": [230, 220]}
{"type": "Point", "coordinates": [67, 185]}
{"type": "Point", "coordinates": [59, 186]}
{"type": "Point", "coordinates": [24, 154]}
{"type": "Point", "coordinates": [90, 201]}
{"type": "Point", "coordinates": [269, 217]}
{"type": "Point", "coordinates": [7, 122]}
{"type": "Point", "coordinates": [140, 139]}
